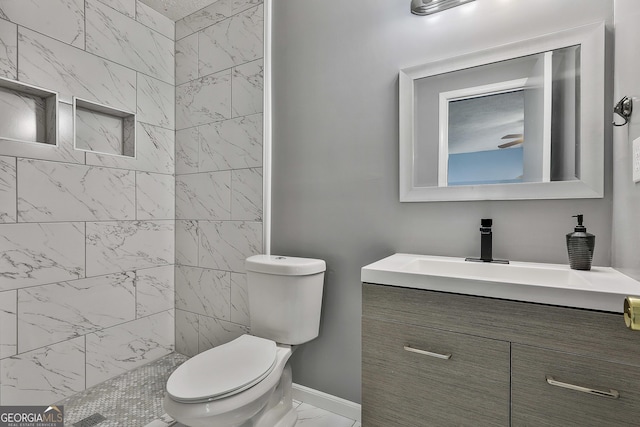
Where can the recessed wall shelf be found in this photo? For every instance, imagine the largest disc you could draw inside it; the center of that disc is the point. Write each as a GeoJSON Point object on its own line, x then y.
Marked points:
{"type": "Point", "coordinates": [29, 113]}
{"type": "Point", "coordinates": [102, 129]}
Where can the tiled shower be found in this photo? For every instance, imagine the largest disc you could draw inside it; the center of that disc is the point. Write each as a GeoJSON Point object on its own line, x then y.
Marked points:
{"type": "Point", "coordinates": [108, 262]}
{"type": "Point", "coordinates": [219, 68]}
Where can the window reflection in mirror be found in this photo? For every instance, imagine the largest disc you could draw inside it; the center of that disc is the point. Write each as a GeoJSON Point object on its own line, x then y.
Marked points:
{"type": "Point", "coordinates": [508, 122]}
{"type": "Point", "coordinates": [485, 139]}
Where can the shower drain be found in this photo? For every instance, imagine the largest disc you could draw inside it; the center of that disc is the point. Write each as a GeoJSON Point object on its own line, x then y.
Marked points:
{"type": "Point", "coordinates": [90, 421]}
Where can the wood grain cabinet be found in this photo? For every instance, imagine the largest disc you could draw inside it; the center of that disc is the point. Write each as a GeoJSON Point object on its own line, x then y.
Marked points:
{"type": "Point", "coordinates": [417, 376]}
{"type": "Point", "coordinates": [552, 388]}
{"type": "Point", "coordinates": [439, 359]}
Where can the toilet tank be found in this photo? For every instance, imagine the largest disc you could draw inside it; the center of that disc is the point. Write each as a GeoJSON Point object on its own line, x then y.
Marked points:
{"type": "Point", "coordinates": [285, 297]}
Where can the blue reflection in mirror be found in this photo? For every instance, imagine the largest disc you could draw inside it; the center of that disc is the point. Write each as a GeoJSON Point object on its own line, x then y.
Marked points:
{"type": "Point", "coordinates": [486, 138]}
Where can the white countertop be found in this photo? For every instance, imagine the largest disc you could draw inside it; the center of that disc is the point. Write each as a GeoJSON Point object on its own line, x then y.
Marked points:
{"type": "Point", "coordinates": [601, 288]}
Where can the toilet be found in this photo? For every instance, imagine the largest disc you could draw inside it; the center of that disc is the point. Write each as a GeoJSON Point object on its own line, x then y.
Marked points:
{"type": "Point", "coordinates": [247, 382]}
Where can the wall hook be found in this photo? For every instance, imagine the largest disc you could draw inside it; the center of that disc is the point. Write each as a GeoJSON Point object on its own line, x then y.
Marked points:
{"type": "Point", "coordinates": [623, 108]}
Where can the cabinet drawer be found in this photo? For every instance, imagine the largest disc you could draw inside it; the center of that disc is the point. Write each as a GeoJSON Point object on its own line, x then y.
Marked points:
{"type": "Point", "coordinates": [593, 333]}
{"type": "Point", "coordinates": [406, 388]}
{"type": "Point", "coordinates": [538, 403]}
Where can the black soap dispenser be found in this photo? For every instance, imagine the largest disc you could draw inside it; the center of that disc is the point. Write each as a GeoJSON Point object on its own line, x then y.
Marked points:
{"type": "Point", "coordinates": [580, 246]}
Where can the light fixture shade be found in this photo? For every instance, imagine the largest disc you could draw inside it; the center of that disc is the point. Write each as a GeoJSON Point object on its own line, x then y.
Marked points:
{"type": "Point", "coordinates": [429, 7]}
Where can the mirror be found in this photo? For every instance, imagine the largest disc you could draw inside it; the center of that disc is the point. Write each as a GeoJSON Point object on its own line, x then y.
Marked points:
{"type": "Point", "coordinates": [483, 138]}
{"type": "Point", "coordinates": [521, 121]}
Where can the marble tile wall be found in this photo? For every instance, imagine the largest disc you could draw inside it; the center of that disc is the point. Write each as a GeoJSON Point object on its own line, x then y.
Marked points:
{"type": "Point", "coordinates": [126, 41]}
{"type": "Point", "coordinates": [87, 246]}
{"type": "Point", "coordinates": [99, 132]}
{"type": "Point", "coordinates": [8, 45]}
{"type": "Point", "coordinates": [68, 25]}
{"type": "Point", "coordinates": [218, 166]}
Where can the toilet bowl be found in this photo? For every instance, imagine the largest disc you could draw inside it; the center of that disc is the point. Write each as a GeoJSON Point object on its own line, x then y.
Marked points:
{"type": "Point", "coordinates": [247, 382]}
{"type": "Point", "coordinates": [229, 403]}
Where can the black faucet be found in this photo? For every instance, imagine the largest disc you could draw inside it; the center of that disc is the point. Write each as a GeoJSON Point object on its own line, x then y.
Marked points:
{"type": "Point", "coordinates": [485, 240]}
{"type": "Point", "coordinates": [486, 246]}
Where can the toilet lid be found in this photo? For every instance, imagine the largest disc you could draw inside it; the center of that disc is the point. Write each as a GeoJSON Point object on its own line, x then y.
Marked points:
{"type": "Point", "coordinates": [223, 370]}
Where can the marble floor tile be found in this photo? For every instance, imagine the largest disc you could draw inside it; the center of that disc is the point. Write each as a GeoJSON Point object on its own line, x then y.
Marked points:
{"type": "Point", "coordinates": [321, 418]}
{"type": "Point", "coordinates": [310, 416]}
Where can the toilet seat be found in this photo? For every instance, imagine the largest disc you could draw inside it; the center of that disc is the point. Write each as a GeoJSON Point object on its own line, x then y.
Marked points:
{"type": "Point", "coordinates": [223, 371]}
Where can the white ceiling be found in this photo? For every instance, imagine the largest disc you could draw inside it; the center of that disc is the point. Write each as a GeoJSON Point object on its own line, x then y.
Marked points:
{"type": "Point", "coordinates": [177, 9]}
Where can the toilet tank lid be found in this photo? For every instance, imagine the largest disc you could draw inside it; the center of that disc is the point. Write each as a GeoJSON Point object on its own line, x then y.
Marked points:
{"type": "Point", "coordinates": [284, 265]}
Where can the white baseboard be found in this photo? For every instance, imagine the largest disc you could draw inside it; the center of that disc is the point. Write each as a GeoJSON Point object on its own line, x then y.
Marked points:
{"type": "Point", "coordinates": [328, 402]}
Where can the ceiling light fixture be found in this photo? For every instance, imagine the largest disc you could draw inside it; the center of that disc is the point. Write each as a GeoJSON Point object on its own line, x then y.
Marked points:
{"type": "Point", "coordinates": [429, 7]}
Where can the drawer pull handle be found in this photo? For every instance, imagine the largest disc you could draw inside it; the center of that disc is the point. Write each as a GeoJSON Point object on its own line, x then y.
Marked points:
{"type": "Point", "coordinates": [611, 394]}
{"type": "Point", "coordinates": [427, 353]}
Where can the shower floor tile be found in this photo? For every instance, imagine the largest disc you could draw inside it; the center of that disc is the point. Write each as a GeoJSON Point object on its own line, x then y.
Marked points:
{"type": "Point", "coordinates": [132, 399]}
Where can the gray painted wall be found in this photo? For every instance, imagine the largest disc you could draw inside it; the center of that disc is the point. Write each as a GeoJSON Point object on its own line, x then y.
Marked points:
{"type": "Point", "coordinates": [626, 230]}
{"type": "Point", "coordinates": [335, 155]}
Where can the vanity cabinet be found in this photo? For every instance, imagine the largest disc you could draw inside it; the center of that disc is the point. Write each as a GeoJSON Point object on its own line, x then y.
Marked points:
{"type": "Point", "coordinates": [512, 363]}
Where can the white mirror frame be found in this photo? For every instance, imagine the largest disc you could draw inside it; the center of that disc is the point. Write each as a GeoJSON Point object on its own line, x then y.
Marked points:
{"type": "Point", "coordinates": [591, 38]}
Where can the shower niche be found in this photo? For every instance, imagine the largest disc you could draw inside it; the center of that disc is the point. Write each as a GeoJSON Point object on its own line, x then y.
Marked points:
{"type": "Point", "coordinates": [29, 113]}
{"type": "Point", "coordinates": [103, 129]}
